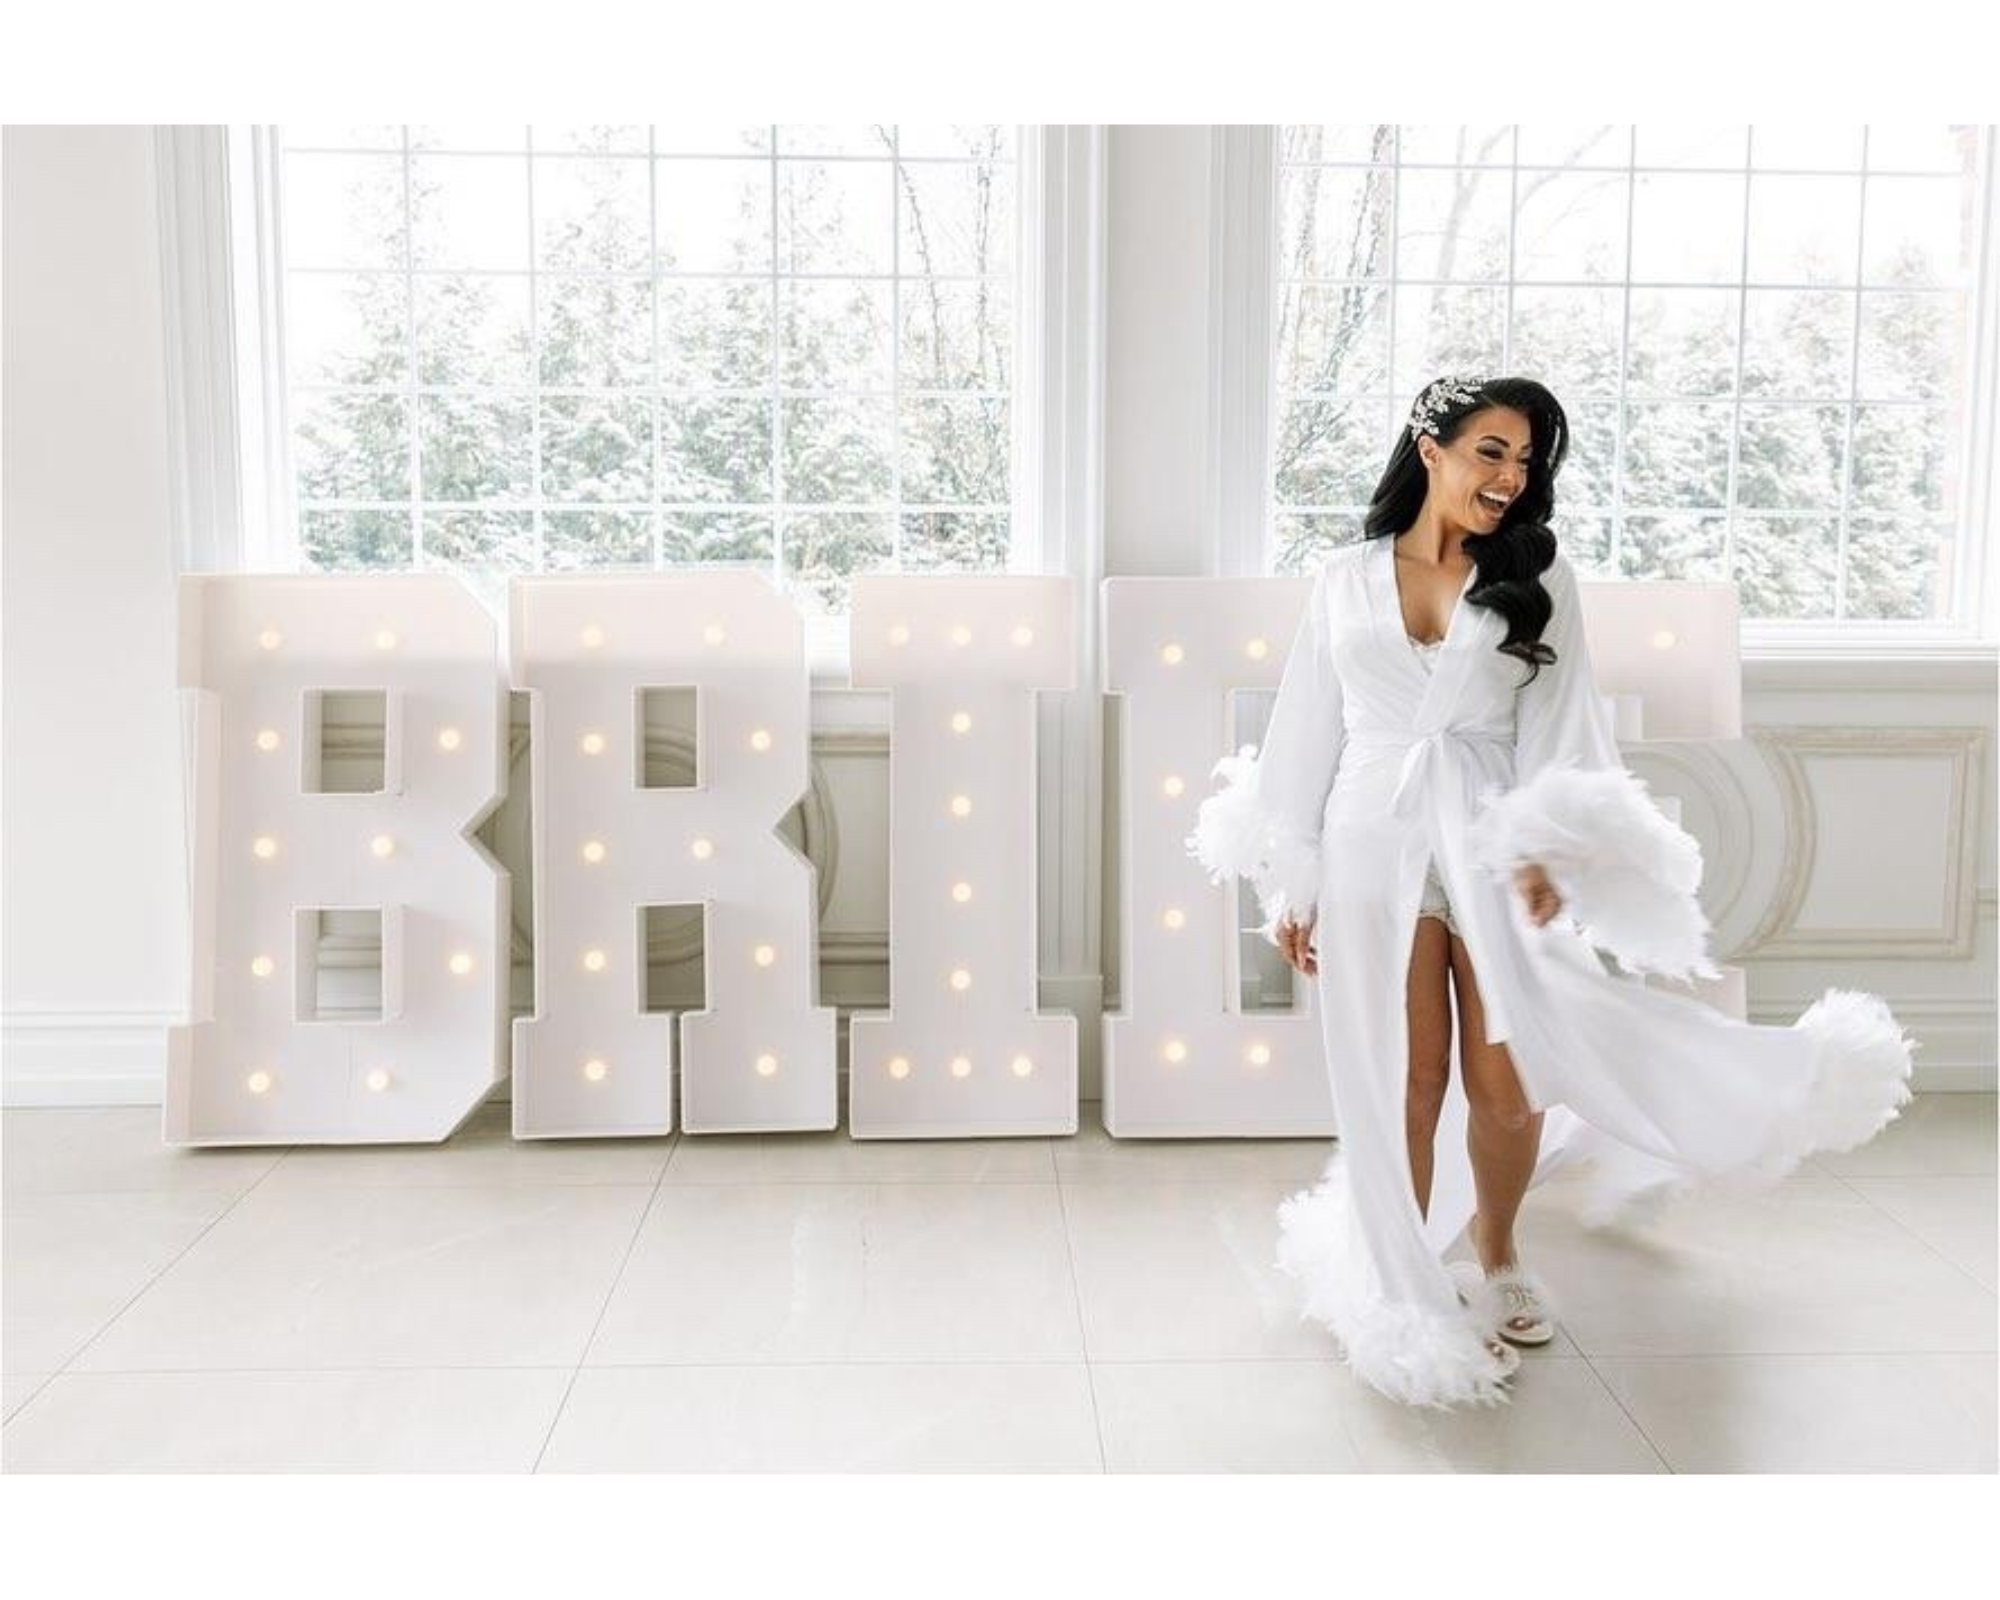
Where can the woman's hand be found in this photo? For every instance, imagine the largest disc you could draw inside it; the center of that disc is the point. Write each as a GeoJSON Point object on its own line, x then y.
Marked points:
{"type": "Point", "coordinates": [1295, 940]}
{"type": "Point", "coordinates": [1537, 893]}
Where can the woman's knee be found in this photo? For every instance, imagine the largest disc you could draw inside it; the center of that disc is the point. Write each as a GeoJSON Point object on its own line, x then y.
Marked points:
{"type": "Point", "coordinates": [1495, 1101]}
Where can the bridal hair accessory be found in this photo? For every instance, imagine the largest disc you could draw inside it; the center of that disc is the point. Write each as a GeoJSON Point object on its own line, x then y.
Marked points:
{"type": "Point", "coordinates": [1444, 395]}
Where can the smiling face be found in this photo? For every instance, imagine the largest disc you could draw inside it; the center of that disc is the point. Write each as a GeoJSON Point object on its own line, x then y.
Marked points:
{"type": "Point", "coordinates": [1480, 473]}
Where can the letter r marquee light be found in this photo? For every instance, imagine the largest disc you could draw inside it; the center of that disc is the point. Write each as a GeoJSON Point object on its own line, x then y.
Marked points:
{"type": "Point", "coordinates": [1182, 1058]}
{"type": "Point", "coordinates": [592, 1061]}
{"type": "Point", "coordinates": [962, 1051]}
{"type": "Point", "coordinates": [269, 851]}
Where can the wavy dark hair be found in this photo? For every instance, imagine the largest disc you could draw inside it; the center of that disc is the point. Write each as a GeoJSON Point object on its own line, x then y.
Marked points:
{"type": "Point", "coordinates": [1512, 558]}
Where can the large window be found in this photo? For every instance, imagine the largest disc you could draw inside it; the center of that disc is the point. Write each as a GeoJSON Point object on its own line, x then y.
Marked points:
{"type": "Point", "coordinates": [519, 350]}
{"type": "Point", "coordinates": [1760, 336]}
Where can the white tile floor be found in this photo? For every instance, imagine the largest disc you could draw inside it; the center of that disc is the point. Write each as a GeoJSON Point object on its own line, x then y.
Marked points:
{"type": "Point", "coordinates": [808, 1303]}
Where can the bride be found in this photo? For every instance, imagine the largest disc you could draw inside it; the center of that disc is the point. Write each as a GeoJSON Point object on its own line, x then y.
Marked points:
{"type": "Point", "coordinates": [1439, 815]}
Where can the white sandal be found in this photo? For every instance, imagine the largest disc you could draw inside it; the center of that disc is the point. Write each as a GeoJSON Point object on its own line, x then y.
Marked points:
{"type": "Point", "coordinates": [1517, 1307]}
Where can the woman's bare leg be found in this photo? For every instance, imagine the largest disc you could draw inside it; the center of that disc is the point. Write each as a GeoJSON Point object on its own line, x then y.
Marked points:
{"type": "Point", "coordinates": [1503, 1136]}
{"type": "Point", "coordinates": [1429, 1006]}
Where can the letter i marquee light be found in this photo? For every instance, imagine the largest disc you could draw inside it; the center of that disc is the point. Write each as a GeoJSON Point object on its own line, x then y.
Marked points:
{"type": "Point", "coordinates": [962, 1050]}
{"type": "Point", "coordinates": [1182, 1059]}
{"type": "Point", "coordinates": [593, 1061]}
{"type": "Point", "coordinates": [259, 1062]}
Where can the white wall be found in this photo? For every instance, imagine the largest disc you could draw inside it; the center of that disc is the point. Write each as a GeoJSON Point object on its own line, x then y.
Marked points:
{"type": "Point", "coordinates": [91, 846]}
{"type": "Point", "coordinates": [94, 947]}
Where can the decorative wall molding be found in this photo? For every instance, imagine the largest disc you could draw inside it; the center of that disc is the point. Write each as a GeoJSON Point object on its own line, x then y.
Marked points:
{"type": "Point", "coordinates": [1787, 749]}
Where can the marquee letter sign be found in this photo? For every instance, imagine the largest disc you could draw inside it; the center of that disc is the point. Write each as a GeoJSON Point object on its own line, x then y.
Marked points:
{"type": "Point", "coordinates": [1183, 1058]}
{"type": "Point", "coordinates": [962, 1051]}
{"type": "Point", "coordinates": [280, 847]}
{"type": "Point", "coordinates": [593, 1061]}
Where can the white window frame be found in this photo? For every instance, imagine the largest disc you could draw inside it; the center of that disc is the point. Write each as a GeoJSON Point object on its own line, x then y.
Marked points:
{"type": "Point", "coordinates": [221, 222]}
{"type": "Point", "coordinates": [1244, 287]}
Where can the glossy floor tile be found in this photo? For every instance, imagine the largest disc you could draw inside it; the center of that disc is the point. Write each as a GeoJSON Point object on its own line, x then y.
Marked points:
{"type": "Point", "coordinates": [807, 1303]}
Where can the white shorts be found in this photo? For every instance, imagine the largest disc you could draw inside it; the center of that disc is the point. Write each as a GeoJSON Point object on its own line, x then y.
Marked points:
{"type": "Point", "coordinates": [1433, 903]}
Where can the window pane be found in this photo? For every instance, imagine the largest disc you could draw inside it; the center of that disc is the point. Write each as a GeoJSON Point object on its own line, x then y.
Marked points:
{"type": "Point", "coordinates": [596, 137]}
{"type": "Point", "coordinates": [981, 141]}
{"type": "Point", "coordinates": [1806, 148]}
{"type": "Point", "coordinates": [1896, 567]}
{"type": "Point", "coordinates": [480, 541]}
{"type": "Point", "coordinates": [1330, 453]}
{"type": "Point", "coordinates": [715, 333]}
{"type": "Point", "coordinates": [1905, 461]}
{"type": "Point", "coordinates": [710, 139]}
{"type": "Point", "coordinates": [1590, 469]}
{"type": "Point", "coordinates": [351, 446]}
{"type": "Point", "coordinates": [596, 449]}
{"type": "Point", "coordinates": [477, 447]}
{"type": "Point", "coordinates": [1687, 229]}
{"type": "Point", "coordinates": [1785, 566]}
{"type": "Point", "coordinates": [473, 330]}
{"type": "Point", "coordinates": [593, 216]}
{"type": "Point", "coordinates": [957, 335]}
{"type": "Point", "coordinates": [470, 136]}
{"type": "Point", "coordinates": [713, 216]}
{"type": "Point", "coordinates": [835, 334]}
{"type": "Point", "coordinates": [1303, 541]}
{"type": "Point", "coordinates": [1351, 141]}
{"type": "Point", "coordinates": [345, 541]}
{"type": "Point", "coordinates": [1568, 339]}
{"type": "Point", "coordinates": [1804, 230]}
{"type": "Point", "coordinates": [1672, 547]}
{"type": "Point", "coordinates": [595, 332]}
{"type": "Point", "coordinates": [345, 329]}
{"type": "Point", "coordinates": [716, 448]}
{"type": "Point", "coordinates": [838, 451]}
{"type": "Point", "coordinates": [1913, 346]}
{"type": "Point", "coordinates": [1586, 540]}
{"type": "Point", "coordinates": [1334, 338]}
{"type": "Point", "coordinates": [1900, 147]}
{"type": "Point", "coordinates": [1603, 144]}
{"type": "Point", "coordinates": [955, 219]}
{"type": "Point", "coordinates": [1683, 342]}
{"type": "Point", "coordinates": [743, 537]}
{"type": "Point", "coordinates": [834, 216]}
{"type": "Point", "coordinates": [1917, 231]}
{"type": "Point", "coordinates": [344, 211]}
{"type": "Point", "coordinates": [860, 139]}
{"type": "Point", "coordinates": [1336, 222]}
{"type": "Point", "coordinates": [1452, 224]}
{"type": "Point", "coordinates": [1446, 330]}
{"type": "Point", "coordinates": [572, 540]}
{"type": "Point", "coordinates": [955, 541]}
{"type": "Point", "coordinates": [1789, 457]}
{"type": "Point", "coordinates": [955, 452]}
{"type": "Point", "coordinates": [1683, 145]}
{"type": "Point", "coordinates": [1570, 227]}
{"type": "Point", "coordinates": [1488, 145]}
{"type": "Point", "coordinates": [1797, 344]}
{"type": "Point", "coordinates": [469, 211]}
{"type": "Point", "coordinates": [1677, 455]}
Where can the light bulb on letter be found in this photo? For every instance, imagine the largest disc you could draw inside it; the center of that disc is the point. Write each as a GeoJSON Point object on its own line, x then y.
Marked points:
{"type": "Point", "coordinates": [593, 851]}
{"type": "Point", "coordinates": [378, 1080]}
{"type": "Point", "coordinates": [461, 963]}
{"type": "Point", "coordinates": [267, 739]}
{"type": "Point", "coordinates": [761, 739]}
{"type": "Point", "coordinates": [594, 1070]}
{"type": "Point", "coordinates": [701, 849]}
{"type": "Point", "coordinates": [593, 961]}
{"type": "Point", "coordinates": [961, 805]}
{"type": "Point", "coordinates": [961, 980]}
{"type": "Point", "coordinates": [899, 1066]}
{"type": "Point", "coordinates": [258, 1082]}
{"type": "Point", "coordinates": [263, 966]}
{"type": "Point", "coordinates": [767, 1064]}
{"type": "Point", "coordinates": [1023, 1066]}
{"type": "Point", "coordinates": [1176, 1050]}
{"type": "Point", "coordinates": [961, 1067]}
{"type": "Point", "coordinates": [593, 744]}
{"type": "Point", "coordinates": [448, 739]}
{"type": "Point", "coordinates": [764, 955]}
{"type": "Point", "coordinates": [383, 846]}
{"type": "Point", "coordinates": [265, 847]}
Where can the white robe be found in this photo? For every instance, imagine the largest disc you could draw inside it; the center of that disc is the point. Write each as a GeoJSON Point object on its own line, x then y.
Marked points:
{"type": "Point", "coordinates": [1378, 761]}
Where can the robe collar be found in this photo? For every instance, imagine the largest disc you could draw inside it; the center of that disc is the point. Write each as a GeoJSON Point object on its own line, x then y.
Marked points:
{"type": "Point", "coordinates": [1439, 685]}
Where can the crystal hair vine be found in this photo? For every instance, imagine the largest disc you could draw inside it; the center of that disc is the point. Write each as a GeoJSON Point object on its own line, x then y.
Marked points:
{"type": "Point", "coordinates": [1444, 395]}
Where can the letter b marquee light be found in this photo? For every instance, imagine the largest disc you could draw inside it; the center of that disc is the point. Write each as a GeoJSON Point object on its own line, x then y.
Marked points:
{"type": "Point", "coordinates": [271, 850]}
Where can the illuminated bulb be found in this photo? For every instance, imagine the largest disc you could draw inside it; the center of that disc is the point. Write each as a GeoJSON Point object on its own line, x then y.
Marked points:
{"type": "Point", "coordinates": [1024, 634]}
{"type": "Point", "coordinates": [460, 963]}
{"type": "Point", "coordinates": [761, 739]}
{"type": "Point", "coordinates": [1665, 639]}
{"type": "Point", "coordinates": [961, 980]}
{"type": "Point", "coordinates": [270, 638]}
{"type": "Point", "coordinates": [257, 1082]}
{"type": "Point", "coordinates": [378, 1080]}
{"type": "Point", "coordinates": [1022, 1066]}
{"type": "Point", "coordinates": [961, 1067]}
{"type": "Point", "coordinates": [764, 955]}
{"type": "Point", "coordinates": [593, 851]}
{"type": "Point", "coordinates": [593, 744]}
{"type": "Point", "coordinates": [593, 961]}
{"type": "Point", "coordinates": [1175, 1050]}
{"type": "Point", "coordinates": [267, 739]}
{"type": "Point", "coordinates": [448, 739]}
{"type": "Point", "coordinates": [263, 967]}
{"type": "Point", "coordinates": [961, 892]}
{"type": "Point", "coordinates": [1172, 787]}
{"type": "Point", "coordinates": [383, 846]}
{"type": "Point", "coordinates": [1257, 649]}
{"type": "Point", "coordinates": [961, 805]}
{"type": "Point", "coordinates": [1175, 919]}
{"type": "Point", "coordinates": [713, 634]}
{"type": "Point", "coordinates": [385, 640]}
{"type": "Point", "coordinates": [265, 847]}
{"type": "Point", "coordinates": [594, 1070]}
{"type": "Point", "coordinates": [1259, 1054]}
{"type": "Point", "coordinates": [702, 849]}
{"type": "Point", "coordinates": [899, 635]}
{"type": "Point", "coordinates": [1172, 655]}
{"type": "Point", "coordinates": [961, 634]}
{"type": "Point", "coordinates": [767, 1064]}
{"type": "Point", "coordinates": [899, 1066]}
{"type": "Point", "coordinates": [592, 637]}
{"type": "Point", "coordinates": [961, 722]}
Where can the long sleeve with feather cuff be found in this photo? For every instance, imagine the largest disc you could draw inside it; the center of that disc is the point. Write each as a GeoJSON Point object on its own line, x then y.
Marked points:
{"type": "Point", "coordinates": [1627, 874]}
{"type": "Point", "coordinates": [1264, 823]}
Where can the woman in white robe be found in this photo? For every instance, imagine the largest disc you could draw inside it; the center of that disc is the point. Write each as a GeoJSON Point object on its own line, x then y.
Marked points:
{"type": "Point", "coordinates": [1395, 775]}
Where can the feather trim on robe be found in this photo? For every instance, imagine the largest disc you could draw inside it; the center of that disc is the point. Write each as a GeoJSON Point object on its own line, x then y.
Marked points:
{"type": "Point", "coordinates": [1626, 873]}
{"type": "Point", "coordinates": [1237, 835]}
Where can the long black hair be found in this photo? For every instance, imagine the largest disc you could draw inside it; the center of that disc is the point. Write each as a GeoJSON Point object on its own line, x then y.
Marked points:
{"type": "Point", "coordinates": [1511, 559]}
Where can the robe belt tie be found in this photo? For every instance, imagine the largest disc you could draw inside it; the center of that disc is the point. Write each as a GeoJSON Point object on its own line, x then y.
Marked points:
{"type": "Point", "coordinates": [1421, 753]}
